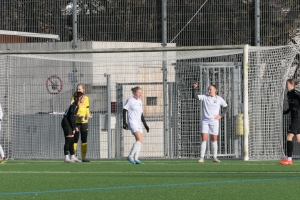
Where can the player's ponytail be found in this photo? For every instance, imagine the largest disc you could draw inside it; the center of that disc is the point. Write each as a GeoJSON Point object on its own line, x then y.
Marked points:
{"type": "Point", "coordinates": [77, 96]}
{"type": "Point", "coordinates": [215, 86]}
{"type": "Point", "coordinates": [135, 89]}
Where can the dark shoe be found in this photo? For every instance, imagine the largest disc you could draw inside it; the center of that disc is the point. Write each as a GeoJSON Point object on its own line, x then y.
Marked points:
{"type": "Point", "coordinates": [85, 160]}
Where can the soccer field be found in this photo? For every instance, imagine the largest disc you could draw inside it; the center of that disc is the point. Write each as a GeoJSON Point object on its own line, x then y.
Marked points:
{"type": "Point", "coordinates": [156, 179]}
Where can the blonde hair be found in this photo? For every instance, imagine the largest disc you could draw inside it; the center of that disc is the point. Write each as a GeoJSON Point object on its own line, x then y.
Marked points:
{"type": "Point", "coordinates": [135, 89]}
{"type": "Point", "coordinates": [83, 87]}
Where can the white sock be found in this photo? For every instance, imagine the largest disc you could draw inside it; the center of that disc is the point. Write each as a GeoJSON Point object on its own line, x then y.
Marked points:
{"type": "Point", "coordinates": [73, 156]}
{"type": "Point", "coordinates": [134, 148]}
{"type": "Point", "coordinates": [214, 146]}
{"type": "Point", "coordinates": [203, 148]}
{"type": "Point", "coordinates": [66, 157]}
{"type": "Point", "coordinates": [138, 149]}
{"type": "Point", "coordinates": [2, 152]}
{"type": "Point", "coordinates": [290, 159]}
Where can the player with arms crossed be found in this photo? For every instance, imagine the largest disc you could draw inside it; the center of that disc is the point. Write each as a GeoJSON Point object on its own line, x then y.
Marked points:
{"type": "Point", "coordinates": [293, 98]}
{"type": "Point", "coordinates": [82, 123]}
{"type": "Point", "coordinates": [134, 108]}
{"type": "Point", "coordinates": [210, 118]}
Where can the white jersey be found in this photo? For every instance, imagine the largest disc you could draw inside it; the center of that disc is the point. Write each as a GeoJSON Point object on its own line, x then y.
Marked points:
{"type": "Point", "coordinates": [211, 105]}
{"type": "Point", "coordinates": [1, 116]}
{"type": "Point", "coordinates": [134, 114]}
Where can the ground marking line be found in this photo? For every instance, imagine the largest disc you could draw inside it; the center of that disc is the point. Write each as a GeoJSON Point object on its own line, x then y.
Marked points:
{"type": "Point", "coordinates": [151, 162]}
{"type": "Point", "coordinates": [149, 186]}
{"type": "Point", "coordinates": [143, 172]}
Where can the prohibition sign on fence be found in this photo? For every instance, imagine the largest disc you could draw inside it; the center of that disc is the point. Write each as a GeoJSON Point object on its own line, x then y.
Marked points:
{"type": "Point", "coordinates": [54, 84]}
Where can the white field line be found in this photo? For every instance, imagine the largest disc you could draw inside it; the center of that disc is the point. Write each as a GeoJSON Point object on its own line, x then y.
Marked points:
{"type": "Point", "coordinates": [141, 172]}
{"type": "Point", "coordinates": [156, 162]}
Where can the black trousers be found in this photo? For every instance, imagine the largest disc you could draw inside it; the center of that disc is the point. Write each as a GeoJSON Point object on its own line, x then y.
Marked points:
{"type": "Point", "coordinates": [83, 131]}
{"type": "Point", "coordinates": [69, 146]}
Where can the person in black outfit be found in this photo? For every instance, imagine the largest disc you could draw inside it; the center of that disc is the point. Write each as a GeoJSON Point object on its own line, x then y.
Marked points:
{"type": "Point", "coordinates": [69, 127]}
{"type": "Point", "coordinates": [293, 98]}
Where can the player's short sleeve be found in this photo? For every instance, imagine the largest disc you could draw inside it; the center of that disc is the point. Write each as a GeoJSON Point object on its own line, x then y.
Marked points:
{"type": "Point", "coordinates": [223, 103]}
{"type": "Point", "coordinates": [87, 101]}
{"type": "Point", "coordinates": [127, 104]}
{"type": "Point", "coordinates": [201, 97]}
{"type": "Point", "coordinates": [87, 104]}
{"type": "Point", "coordinates": [141, 106]}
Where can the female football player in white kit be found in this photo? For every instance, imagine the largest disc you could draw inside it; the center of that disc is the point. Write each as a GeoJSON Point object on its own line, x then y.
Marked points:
{"type": "Point", "coordinates": [211, 103]}
{"type": "Point", "coordinates": [133, 108]}
{"type": "Point", "coordinates": [2, 155]}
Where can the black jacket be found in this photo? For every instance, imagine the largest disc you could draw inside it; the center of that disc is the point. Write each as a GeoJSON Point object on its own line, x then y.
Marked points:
{"type": "Point", "coordinates": [70, 115]}
{"type": "Point", "coordinates": [293, 98]}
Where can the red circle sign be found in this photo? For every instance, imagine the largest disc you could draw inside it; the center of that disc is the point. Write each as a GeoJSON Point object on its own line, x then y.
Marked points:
{"type": "Point", "coordinates": [54, 84]}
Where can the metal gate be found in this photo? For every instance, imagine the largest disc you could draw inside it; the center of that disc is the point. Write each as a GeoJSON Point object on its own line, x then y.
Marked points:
{"type": "Point", "coordinates": [227, 76]}
{"type": "Point", "coordinates": [182, 140]}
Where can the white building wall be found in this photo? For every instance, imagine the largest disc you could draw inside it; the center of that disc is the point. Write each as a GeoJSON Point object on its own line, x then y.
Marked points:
{"type": "Point", "coordinates": [29, 81]}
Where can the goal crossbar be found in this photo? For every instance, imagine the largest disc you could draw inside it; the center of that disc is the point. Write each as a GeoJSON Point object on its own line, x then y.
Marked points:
{"type": "Point", "coordinates": [30, 34]}
{"type": "Point", "coordinates": [126, 50]}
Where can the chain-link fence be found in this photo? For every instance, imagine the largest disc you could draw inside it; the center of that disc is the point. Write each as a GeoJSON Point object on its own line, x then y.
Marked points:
{"type": "Point", "coordinates": [35, 97]}
{"type": "Point", "coordinates": [188, 22]}
{"type": "Point", "coordinates": [134, 24]}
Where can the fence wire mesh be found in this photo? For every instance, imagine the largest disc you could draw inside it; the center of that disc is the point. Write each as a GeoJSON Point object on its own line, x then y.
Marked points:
{"type": "Point", "coordinates": [188, 23]}
{"type": "Point", "coordinates": [35, 97]}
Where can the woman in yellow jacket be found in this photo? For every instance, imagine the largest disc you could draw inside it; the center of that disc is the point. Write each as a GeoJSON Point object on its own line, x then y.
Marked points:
{"type": "Point", "coordinates": [83, 116]}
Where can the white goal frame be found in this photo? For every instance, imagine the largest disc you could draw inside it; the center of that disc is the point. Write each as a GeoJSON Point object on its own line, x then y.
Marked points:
{"type": "Point", "coordinates": [243, 48]}
{"type": "Point", "coordinates": [29, 34]}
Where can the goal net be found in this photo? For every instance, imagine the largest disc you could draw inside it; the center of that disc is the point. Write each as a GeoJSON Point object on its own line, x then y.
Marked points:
{"type": "Point", "coordinates": [37, 87]}
{"type": "Point", "coordinates": [269, 68]}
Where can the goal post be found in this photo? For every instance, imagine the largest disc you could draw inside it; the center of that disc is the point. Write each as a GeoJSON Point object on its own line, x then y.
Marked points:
{"type": "Point", "coordinates": [250, 79]}
{"type": "Point", "coordinates": [245, 97]}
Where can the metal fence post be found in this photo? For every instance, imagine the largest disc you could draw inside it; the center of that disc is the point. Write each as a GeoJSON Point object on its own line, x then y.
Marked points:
{"type": "Point", "coordinates": [109, 142]}
{"type": "Point", "coordinates": [257, 23]}
{"type": "Point", "coordinates": [165, 79]}
{"type": "Point", "coordinates": [74, 42]}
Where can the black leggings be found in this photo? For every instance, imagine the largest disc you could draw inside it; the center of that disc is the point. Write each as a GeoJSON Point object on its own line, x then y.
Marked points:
{"type": "Point", "coordinates": [69, 146]}
{"type": "Point", "coordinates": [83, 129]}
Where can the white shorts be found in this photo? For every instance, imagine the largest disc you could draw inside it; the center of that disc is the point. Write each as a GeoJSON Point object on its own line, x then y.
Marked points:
{"type": "Point", "coordinates": [134, 128]}
{"type": "Point", "coordinates": [210, 126]}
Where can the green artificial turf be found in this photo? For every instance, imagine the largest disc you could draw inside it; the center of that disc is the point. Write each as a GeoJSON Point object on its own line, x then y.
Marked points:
{"type": "Point", "coordinates": [156, 179]}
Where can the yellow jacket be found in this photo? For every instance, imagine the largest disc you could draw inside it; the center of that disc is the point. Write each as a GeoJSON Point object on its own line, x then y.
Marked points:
{"type": "Point", "coordinates": [83, 111]}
